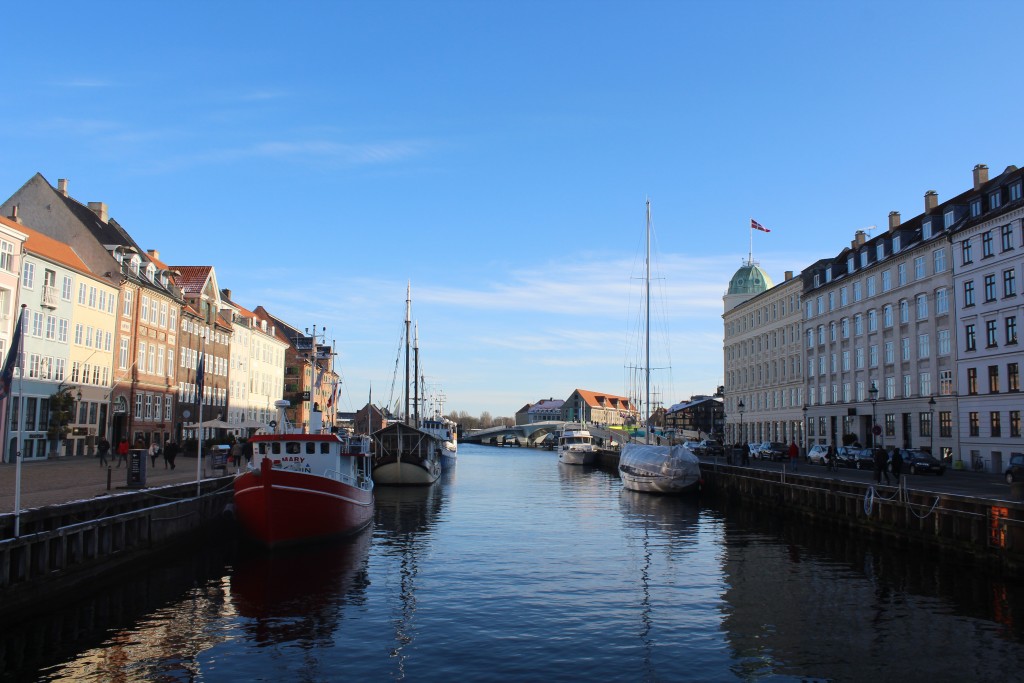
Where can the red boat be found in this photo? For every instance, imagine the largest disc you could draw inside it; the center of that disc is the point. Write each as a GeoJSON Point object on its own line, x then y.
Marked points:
{"type": "Point", "coordinates": [303, 487]}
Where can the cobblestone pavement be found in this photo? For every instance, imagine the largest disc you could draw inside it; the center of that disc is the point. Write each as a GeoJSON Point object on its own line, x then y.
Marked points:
{"type": "Point", "coordinates": [64, 479]}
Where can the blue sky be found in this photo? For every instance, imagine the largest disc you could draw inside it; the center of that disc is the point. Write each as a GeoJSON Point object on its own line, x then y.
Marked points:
{"type": "Point", "coordinates": [498, 155]}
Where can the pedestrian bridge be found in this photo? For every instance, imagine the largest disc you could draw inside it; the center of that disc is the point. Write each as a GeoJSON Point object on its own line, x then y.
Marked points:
{"type": "Point", "coordinates": [532, 434]}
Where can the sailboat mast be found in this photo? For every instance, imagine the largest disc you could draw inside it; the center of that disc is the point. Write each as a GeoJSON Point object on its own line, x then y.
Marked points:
{"type": "Point", "coordinates": [647, 327]}
{"type": "Point", "coordinates": [408, 322]}
{"type": "Point", "coordinates": [416, 377]}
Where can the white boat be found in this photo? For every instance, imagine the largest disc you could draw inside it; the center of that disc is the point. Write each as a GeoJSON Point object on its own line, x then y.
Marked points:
{"type": "Point", "coordinates": [576, 447]}
{"type": "Point", "coordinates": [445, 431]}
{"type": "Point", "coordinates": [659, 469]}
{"type": "Point", "coordinates": [655, 469]}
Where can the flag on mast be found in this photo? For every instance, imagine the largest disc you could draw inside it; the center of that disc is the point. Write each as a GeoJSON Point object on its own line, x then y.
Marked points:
{"type": "Point", "coordinates": [754, 225]}
{"type": "Point", "coordinates": [7, 375]}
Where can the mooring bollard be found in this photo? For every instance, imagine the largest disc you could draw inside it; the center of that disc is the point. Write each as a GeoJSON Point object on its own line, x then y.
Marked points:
{"type": "Point", "coordinates": [109, 475]}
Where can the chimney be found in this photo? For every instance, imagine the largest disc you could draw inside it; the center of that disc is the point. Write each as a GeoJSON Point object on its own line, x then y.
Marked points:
{"type": "Point", "coordinates": [100, 209]}
{"type": "Point", "coordinates": [62, 186]}
{"type": "Point", "coordinates": [14, 214]}
{"type": "Point", "coordinates": [227, 294]}
{"type": "Point", "coordinates": [153, 254]}
{"type": "Point", "coordinates": [859, 238]}
{"type": "Point", "coordinates": [789, 275]}
{"type": "Point", "coordinates": [894, 220]}
{"type": "Point", "coordinates": [980, 175]}
{"type": "Point", "coordinates": [931, 200]}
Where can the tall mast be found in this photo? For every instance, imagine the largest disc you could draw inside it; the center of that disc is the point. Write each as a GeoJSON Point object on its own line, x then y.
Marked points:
{"type": "Point", "coordinates": [408, 321]}
{"type": "Point", "coordinates": [416, 377]}
{"type": "Point", "coordinates": [647, 327]}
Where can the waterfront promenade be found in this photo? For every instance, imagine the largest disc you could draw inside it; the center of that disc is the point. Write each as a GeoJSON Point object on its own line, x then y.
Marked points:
{"type": "Point", "coordinates": [61, 480]}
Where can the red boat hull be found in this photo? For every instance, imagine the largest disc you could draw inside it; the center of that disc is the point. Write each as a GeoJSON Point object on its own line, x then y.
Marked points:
{"type": "Point", "coordinates": [279, 507]}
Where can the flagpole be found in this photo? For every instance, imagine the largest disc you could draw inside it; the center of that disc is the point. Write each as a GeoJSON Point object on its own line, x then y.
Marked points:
{"type": "Point", "coordinates": [201, 381]}
{"type": "Point", "coordinates": [20, 360]}
{"type": "Point", "coordinates": [750, 254]}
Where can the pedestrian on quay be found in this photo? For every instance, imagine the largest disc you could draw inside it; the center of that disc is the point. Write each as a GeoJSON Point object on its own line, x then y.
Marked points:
{"type": "Point", "coordinates": [247, 451]}
{"type": "Point", "coordinates": [154, 451]}
{"type": "Point", "coordinates": [794, 456]}
{"type": "Point", "coordinates": [122, 453]}
{"type": "Point", "coordinates": [102, 448]}
{"type": "Point", "coordinates": [881, 465]}
{"type": "Point", "coordinates": [745, 454]}
{"type": "Point", "coordinates": [897, 462]}
{"type": "Point", "coordinates": [236, 453]}
{"type": "Point", "coordinates": [170, 453]}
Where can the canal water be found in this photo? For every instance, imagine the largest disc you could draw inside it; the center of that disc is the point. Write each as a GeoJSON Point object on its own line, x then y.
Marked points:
{"type": "Point", "coordinates": [516, 568]}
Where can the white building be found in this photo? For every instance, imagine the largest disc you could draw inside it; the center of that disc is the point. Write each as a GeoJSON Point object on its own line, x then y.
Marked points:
{"type": "Point", "coordinates": [256, 376]}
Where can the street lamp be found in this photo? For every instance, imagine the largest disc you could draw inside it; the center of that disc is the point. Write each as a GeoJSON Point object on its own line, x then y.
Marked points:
{"type": "Point", "coordinates": [873, 395]}
{"type": "Point", "coordinates": [741, 407]}
{"type": "Point", "coordinates": [805, 430]}
{"type": "Point", "coordinates": [931, 425]}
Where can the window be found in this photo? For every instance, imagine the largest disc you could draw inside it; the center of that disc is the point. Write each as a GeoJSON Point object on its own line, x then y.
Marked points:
{"type": "Point", "coordinates": [831, 301]}
{"type": "Point", "coordinates": [941, 301]}
{"type": "Point", "coordinates": [62, 330]}
{"type": "Point", "coordinates": [939, 258]}
{"type": "Point", "coordinates": [872, 285]}
{"type": "Point", "coordinates": [990, 287]}
{"type": "Point", "coordinates": [832, 331]}
{"type": "Point", "coordinates": [1006, 234]}
{"type": "Point", "coordinates": [926, 229]}
{"type": "Point", "coordinates": [943, 342]}
{"type": "Point", "coordinates": [82, 293]}
{"type": "Point", "coordinates": [886, 280]}
{"type": "Point", "coordinates": [922, 306]}
{"type": "Point", "coordinates": [986, 244]}
{"type": "Point", "coordinates": [144, 309]}
{"type": "Point", "coordinates": [895, 243]}
{"type": "Point", "coordinates": [972, 422]}
{"type": "Point", "coordinates": [92, 297]}
{"type": "Point", "coordinates": [965, 252]}
{"type": "Point", "coordinates": [859, 358]}
{"type": "Point", "coordinates": [946, 382]}
{"type": "Point", "coordinates": [972, 381]}
{"type": "Point", "coordinates": [901, 274]}
{"type": "Point", "coordinates": [923, 347]}
{"type": "Point", "coordinates": [905, 348]}
{"type": "Point", "coordinates": [904, 311]}
{"type": "Point", "coordinates": [1009, 282]}
{"type": "Point", "coordinates": [890, 353]}
{"type": "Point", "coordinates": [858, 325]}
{"type": "Point", "coordinates": [924, 382]}
{"type": "Point", "coordinates": [129, 295]}
{"type": "Point", "coordinates": [846, 361]}
{"type": "Point", "coordinates": [857, 295]}
{"type": "Point", "coordinates": [880, 251]}
{"type": "Point", "coordinates": [844, 299]}
{"type": "Point", "coordinates": [28, 275]}
{"type": "Point", "coordinates": [873, 355]}
{"type": "Point", "coordinates": [1015, 423]}
{"type": "Point", "coordinates": [990, 334]}
{"type": "Point", "coordinates": [138, 406]}
{"type": "Point", "coordinates": [919, 268]}
{"type": "Point", "coordinates": [975, 208]}
{"type": "Point", "coordinates": [994, 425]}
{"type": "Point", "coordinates": [890, 388]}
{"type": "Point", "coordinates": [1012, 377]}
{"type": "Point", "coordinates": [994, 200]}
{"type": "Point", "coordinates": [887, 315]}
{"type": "Point", "coordinates": [845, 325]}
{"type": "Point", "coordinates": [1011, 329]}
{"type": "Point", "coordinates": [945, 424]}
{"type": "Point", "coordinates": [969, 293]}
{"type": "Point", "coordinates": [890, 424]}
{"type": "Point", "coordinates": [872, 321]}
{"type": "Point", "coordinates": [993, 379]}
{"type": "Point", "coordinates": [123, 356]}
{"type": "Point", "coordinates": [925, 424]}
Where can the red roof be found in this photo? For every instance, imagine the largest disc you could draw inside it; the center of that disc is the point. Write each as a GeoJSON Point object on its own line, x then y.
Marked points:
{"type": "Point", "coordinates": [192, 278]}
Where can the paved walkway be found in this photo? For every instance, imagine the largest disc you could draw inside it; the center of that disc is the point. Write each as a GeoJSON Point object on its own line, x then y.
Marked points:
{"type": "Point", "coordinates": [61, 480]}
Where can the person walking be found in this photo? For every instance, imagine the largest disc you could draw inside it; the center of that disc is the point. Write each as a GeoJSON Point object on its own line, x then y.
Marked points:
{"type": "Point", "coordinates": [897, 463]}
{"type": "Point", "coordinates": [745, 454]}
{"type": "Point", "coordinates": [170, 453]}
{"type": "Point", "coordinates": [154, 451]}
{"type": "Point", "coordinates": [102, 448]}
{"type": "Point", "coordinates": [794, 456]}
{"type": "Point", "coordinates": [881, 463]}
{"type": "Point", "coordinates": [122, 453]}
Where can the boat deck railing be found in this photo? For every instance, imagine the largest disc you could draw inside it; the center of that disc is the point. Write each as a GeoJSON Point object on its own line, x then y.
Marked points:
{"type": "Point", "coordinates": [359, 481]}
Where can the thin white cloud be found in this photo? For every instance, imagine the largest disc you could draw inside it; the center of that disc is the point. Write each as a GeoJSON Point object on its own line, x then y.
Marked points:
{"type": "Point", "coordinates": [85, 83]}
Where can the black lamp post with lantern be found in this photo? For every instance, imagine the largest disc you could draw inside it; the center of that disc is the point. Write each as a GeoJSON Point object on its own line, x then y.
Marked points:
{"type": "Point", "coordinates": [875, 429]}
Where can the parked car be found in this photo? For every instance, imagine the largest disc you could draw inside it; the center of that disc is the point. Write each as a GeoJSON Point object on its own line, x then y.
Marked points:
{"type": "Point", "coordinates": [847, 455]}
{"type": "Point", "coordinates": [1015, 472]}
{"type": "Point", "coordinates": [773, 450]}
{"type": "Point", "coordinates": [864, 459]}
{"type": "Point", "coordinates": [692, 446]}
{"type": "Point", "coordinates": [918, 461]}
{"type": "Point", "coordinates": [817, 454]}
{"type": "Point", "coordinates": [711, 447]}
{"type": "Point", "coordinates": [755, 450]}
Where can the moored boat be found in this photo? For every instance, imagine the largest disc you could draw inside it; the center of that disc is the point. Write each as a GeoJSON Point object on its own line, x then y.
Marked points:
{"type": "Point", "coordinates": [576, 447]}
{"type": "Point", "coordinates": [406, 456]}
{"type": "Point", "coordinates": [446, 431]}
{"type": "Point", "coordinates": [304, 487]}
{"type": "Point", "coordinates": [659, 469]}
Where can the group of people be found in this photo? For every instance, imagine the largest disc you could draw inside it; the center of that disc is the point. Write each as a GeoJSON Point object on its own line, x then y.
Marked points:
{"type": "Point", "coordinates": [883, 459]}
{"type": "Point", "coordinates": [169, 450]}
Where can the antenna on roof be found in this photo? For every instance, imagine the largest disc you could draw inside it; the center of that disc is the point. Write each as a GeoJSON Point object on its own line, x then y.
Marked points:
{"type": "Point", "coordinates": [869, 229]}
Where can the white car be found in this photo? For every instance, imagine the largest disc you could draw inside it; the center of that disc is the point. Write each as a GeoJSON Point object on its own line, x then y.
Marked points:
{"type": "Point", "coordinates": [817, 454]}
{"type": "Point", "coordinates": [755, 450]}
{"type": "Point", "coordinates": [691, 445]}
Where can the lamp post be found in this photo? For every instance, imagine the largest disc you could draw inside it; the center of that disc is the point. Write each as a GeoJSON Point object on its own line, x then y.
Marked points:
{"type": "Point", "coordinates": [931, 425]}
{"type": "Point", "coordinates": [807, 445]}
{"type": "Point", "coordinates": [873, 395]}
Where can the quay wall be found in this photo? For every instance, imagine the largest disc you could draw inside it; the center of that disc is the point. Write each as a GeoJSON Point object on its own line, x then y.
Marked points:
{"type": "Point", "coordinates": [978, 531]}
{"type": "Point", "coordinates": [64, 546]}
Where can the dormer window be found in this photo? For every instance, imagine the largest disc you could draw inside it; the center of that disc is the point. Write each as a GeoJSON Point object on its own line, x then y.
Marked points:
{"type": "Point", "coordinates": [1014, 192]}
{"type": "Point", "coordinates": [864, 259]}
{"type": "Point", "coordinates": [994, 200]}
{"type": "Point", "coordinates": [151, 272]}
{"type": "Point", "coordinates": [947, 218]}
{"type": "Point", "coordinates": [926, 229]}
{"type": "Point", "coordinates": [895, 243]}
{"type": "Point", "coordinates": [118, 256]}
{"type": "Point", "coordinates": [828, 274]}
{"type": "Point", "coordinates": [850, 264]}
{"type": "Point", "coordinates": [880, 251]}
{"type": "Point", "coordinates": [975, 208]}
{"type": "Point", "coordinates": [135, 263]}
{"type": "Point", "coordinates": [817, 279]}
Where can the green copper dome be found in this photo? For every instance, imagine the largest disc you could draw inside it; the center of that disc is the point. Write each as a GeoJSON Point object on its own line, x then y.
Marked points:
{"type": "Point", "coordinates": [749, 279]}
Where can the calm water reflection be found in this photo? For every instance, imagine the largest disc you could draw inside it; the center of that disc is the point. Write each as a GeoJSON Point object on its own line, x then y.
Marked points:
{"type": "Point", "coordinates": [515, 567]}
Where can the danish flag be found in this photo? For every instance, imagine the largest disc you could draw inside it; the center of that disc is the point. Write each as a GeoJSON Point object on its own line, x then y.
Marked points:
{"type": "Point", "coordinates": [754, 225]}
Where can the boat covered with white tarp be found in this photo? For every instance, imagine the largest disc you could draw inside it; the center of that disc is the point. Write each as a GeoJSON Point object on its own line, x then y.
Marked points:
{"type": "Point", "coordinates": [659, 469]}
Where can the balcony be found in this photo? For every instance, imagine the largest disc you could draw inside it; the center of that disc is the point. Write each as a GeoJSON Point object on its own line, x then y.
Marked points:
{"type": "Point", "coordinates": [49, 296]}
